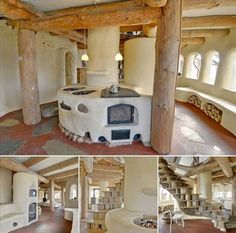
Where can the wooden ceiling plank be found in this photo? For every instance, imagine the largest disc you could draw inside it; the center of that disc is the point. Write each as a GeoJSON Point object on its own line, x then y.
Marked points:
{"type": "Point", "coordinates": [224, 164]}
{"type": "Point", "coordinates": [33, 160]}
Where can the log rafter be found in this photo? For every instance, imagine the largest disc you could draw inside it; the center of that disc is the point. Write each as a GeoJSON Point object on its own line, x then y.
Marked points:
{"type": "Point", "coordinates": [17, 10]}
{"type": "Point", "coordinates": [115, 14]}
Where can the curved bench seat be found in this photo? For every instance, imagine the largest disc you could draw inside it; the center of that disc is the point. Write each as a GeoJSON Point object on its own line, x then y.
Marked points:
{"type": "Point", "coordinates": [228, 108]}
{"type": "Point", "coordinates": [122, 220]}
{"type": "Point", "coordinates": [12, 221]}
{"type": "Point", "coordinates": [71, 214]}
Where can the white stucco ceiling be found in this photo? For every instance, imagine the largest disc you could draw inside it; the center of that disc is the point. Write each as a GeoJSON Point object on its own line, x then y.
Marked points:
{"type": "Point", "coordinates": [47, 163]}
{"type": "Point", "coordinates": [48, 5]}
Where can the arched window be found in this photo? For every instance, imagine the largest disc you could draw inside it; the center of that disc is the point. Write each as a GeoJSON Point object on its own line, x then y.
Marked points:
{"type": "Point", "coordinates": [181, 65]}
{"type": "Point", "coordinates": [194, 66]}
{"type": "Point", "coordinates": [73, 192]}
{"type": "Point", "coordinates": [215, 59]}
{"type": "Point", "coordinates": [233, 79]}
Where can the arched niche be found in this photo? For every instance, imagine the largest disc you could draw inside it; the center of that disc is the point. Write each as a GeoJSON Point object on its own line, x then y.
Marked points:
{"type": "Point", "coordinates": [73, 192]}
{"type": "Point", "coordinates": [67, 67]}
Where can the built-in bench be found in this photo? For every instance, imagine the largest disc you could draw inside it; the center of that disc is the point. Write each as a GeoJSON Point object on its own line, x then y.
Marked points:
{"type": "Point", "coordinates": [220, 110]}
{"type": "Point", "coordinates": [10, 218]}
{"type": "Point", "coordinates": [71, 214]}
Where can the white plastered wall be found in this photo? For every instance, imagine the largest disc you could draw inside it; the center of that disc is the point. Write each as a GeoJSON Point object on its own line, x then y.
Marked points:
{"type": "Point", "coordinates": [225, 46]}
{"type": "Point", "coordinates": [139, 63]}
{"type": "Point", "coordinates": [103, 44]}
{"type": "Point", "coordinates": [51, 69]}
{"type": "Point", "coordinates": [5, 185]}
{"type": "Point", "coordinates": [140, 179]}
{"type": "Point", "coordinates": [69, 182]}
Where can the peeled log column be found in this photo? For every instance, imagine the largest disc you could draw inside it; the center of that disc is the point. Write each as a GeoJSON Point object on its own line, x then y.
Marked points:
{"type": "Point", "coordinates": [234, 195]}
{"type": "Point", "coordinates": [167, 55]}
{"type": "Point", "coordinates": [28, 77]}
{"type": "Point", "coordinates": [52, 187]}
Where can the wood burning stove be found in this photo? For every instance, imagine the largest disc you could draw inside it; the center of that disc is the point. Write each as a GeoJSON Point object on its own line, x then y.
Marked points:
{"type": "Point", "coordinates": [32, 193]}
{"type": "Point", "coordinates": [120, 114]}
{"type": "Point", "coordinates": [32, 212]}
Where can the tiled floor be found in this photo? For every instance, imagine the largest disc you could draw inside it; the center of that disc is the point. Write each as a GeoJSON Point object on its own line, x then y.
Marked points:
{"type": "Point", "coordinates": [193, 226]}
{"type": "Point", "coordinates": [194, 133]}
{"type": "Point", "coordinates": [48, 223]}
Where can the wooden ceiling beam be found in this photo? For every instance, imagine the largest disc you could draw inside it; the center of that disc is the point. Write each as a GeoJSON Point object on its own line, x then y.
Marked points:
{"type": "Point", "coordinates": [109, 173]}
{"type": "Point", "coordinates": [224, 164]}
{"type": "Point", "coordinates": [104, 176]}
{"type": "Point", "coordinates": [207, 22]}
{"type": "Point", "coordinates": [131, 28]}
{"type": "Point", "coordinates": [220, 173]}
{"type": "Point", "coordinates": [19, 167]}
{"type": "Point", "coordinates": [58, 166]}
{"type": "Point", "coordinates": [112, 14]}
{"type": "Point", "coordinates": [106, 168]}
{"type": "Point", "coordinates": [155, 3]}
{"type": "Point", "coordinates": [223, 179]}
{"type": "Point", "coordinates": [205, 167]}
{"type": "Point", "coordinates": [207, 4]}
{"type": "Point", "coordinates": [17, 10]}
{"type": "Point", "coordinates": [207, 33]}
{"type": "Point", "coordinates": [46, 186]}
{"type": "Point", "coordinates": [63, 174]}
{"type": "Point", "coordinates": [193, 41]}
{"type": "Point", "coordinates": [34, 160]}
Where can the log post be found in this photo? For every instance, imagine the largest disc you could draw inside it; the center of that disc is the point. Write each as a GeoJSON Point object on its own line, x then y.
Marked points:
{"type": "Point", "coordinates": [234, 195]}
{"type": "Point", "coordinates": [62, 196]}
{"type": "Point", "coordinates": [28, 76]}
{"type": "Point", "coordinates": [52, 185]}
{"type": "Point", "coordinates": [167, 55]}
{"type": "Point", "coordinates": [84, 194]}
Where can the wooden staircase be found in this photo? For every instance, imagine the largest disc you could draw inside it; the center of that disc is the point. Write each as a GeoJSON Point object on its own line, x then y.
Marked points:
{"type": "Point", "coordinates": [189, 202]}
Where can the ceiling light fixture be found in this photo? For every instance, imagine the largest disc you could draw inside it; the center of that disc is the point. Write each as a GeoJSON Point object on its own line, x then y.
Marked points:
{"type": "Point", "coordinates": [85, 56]}
{"type": "Point", "coordinates": [118, 57]}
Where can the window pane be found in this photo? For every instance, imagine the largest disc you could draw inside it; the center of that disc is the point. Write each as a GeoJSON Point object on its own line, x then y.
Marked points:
{"type": "Point", "coordinates": [233, 84]}
{"type": "Point", "coordinates": [213, 70]}
{"type": "Point", "coordinates": [181, 65]}
{"type": "Point", "coordinates": [195, 66]}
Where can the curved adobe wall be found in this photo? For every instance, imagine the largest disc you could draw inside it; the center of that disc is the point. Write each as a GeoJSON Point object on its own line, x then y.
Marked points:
{"type": "Point", "coordinates": [103, 44]}
{"type": "Point", "coordinates": [139, 63]}
{"type": "Point", "coordinates": [5, 185]}
{"type": "Point", "coordinates": [225, 46]}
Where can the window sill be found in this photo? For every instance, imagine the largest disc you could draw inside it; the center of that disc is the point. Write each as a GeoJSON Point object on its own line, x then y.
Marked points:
{"type": "Point", "coordinates": [230, 90]}
{"type": "Point", "coordinates": [190, 78]}
{"type": "Point", "coordinates": [210, 84]}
